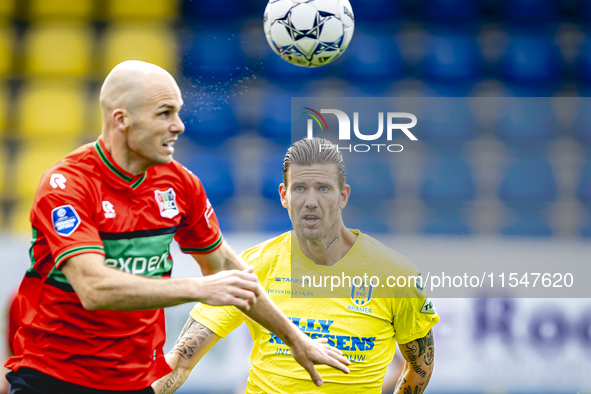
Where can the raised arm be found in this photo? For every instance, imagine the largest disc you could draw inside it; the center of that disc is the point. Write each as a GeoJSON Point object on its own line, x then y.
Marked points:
{"type": "Point", "coordinates": [305, 351]}
{"type": "Point", "coordinates": [194, 341]}
{"type": "Point", "coordinates": [419, 356]}
{"type": "Point", "coordinates": [101, 287]}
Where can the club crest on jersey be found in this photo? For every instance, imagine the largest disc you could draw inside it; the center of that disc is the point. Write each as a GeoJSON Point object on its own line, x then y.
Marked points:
{"type": "Point", "coordinates": [361, 295]}
{"type": "Point", "coordinates": [167, 203]}
{"type": "Point", "coordinates": [65, 220]}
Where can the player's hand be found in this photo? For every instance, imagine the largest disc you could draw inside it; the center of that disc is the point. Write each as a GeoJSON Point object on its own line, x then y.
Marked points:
{"type": "Point", "coordinates": [231, 287]}
{"type": "Point", "coordinates": [310, 352]}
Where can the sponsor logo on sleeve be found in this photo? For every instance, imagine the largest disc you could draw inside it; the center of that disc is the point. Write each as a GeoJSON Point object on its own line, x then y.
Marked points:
{"type": "Point", "coordinates": [57, 180]}
{"type": "Point", "coordinates": [65, 220]}
{"type": "Point", "coordinates": [167, 203]}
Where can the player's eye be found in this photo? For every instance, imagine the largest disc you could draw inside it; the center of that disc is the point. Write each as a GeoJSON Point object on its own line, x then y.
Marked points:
{"type": "Point", "coordinates": [299, 188]}
{"type": "Point", "coordinates": [165, 113]}
{"type": "Point", "coordinates": [323, 188]}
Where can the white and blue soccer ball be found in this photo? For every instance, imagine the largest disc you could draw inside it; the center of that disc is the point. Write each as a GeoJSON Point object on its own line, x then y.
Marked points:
{"type": "Point", "coordinates": [309, 33]}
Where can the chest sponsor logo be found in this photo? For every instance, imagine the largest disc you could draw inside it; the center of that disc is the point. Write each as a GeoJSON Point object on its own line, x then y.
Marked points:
{"type": "Point", "coordinates": [65, 220]}
{"type": "Point", "coordinates": [322, 329]}
{"type": "Point", "coordinates": [361, 295]}
{"type": "Point", "coordinates": [139, 265]}
{"type": "Point", "coordinates": [428, 307]}
{"type": "Point", "coordinates": [109, 210]}
{"type": "Point", "coordinates": [167, 203]}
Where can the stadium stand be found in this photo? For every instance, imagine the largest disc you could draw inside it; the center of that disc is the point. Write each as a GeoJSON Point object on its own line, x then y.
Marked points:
{"type": "Point", "coordinates": [451, 11]}
{"type": "Point", "coordinates": [373, 59]}
{"type": "Point", "coordinates": [528, 188]}
{"type": "Point", "coordinates": [150, 42]}
{"type": "Point", "coordinates": [531, 59]}
{"type": "Point", "coordinates": [7, 37]}
{"type": "Point", "coordinates": [62, 9]}
{"type": "Point", "coordinates": [209, 119]}
{"type": "Point", "coordinates": [212, 53]}
{"type": "Point", "coordinates": [4, 105]}
{"type": "Point", "coordinates": [7, 8]}
{"type": "Point", "coordinates": [51, 109]}
{"type": "Point", "coordinates": [33, 159]}
{"type": "Point", "coordinates": [131, 10]}
{"type": "Point", "coordinates": [453, 58]}
{"type": "Point", "coordinates": [58, 49]}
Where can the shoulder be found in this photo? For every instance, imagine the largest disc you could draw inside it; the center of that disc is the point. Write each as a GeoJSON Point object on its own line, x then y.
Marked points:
{"type": "Point", "coordinates": [73, 172]}
{"type": "Point", "coordinates": [388, 257]}
{"type": "Point", "coordinates": [269, 250]}
{"type": "Point", "coordinates": [180, 173]}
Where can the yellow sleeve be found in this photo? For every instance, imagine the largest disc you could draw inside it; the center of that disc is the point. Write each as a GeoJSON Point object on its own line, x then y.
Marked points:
{"type": "Point", "coordinates": [222, 320]}
{"type": "Point", "coordinates": [413, 318]}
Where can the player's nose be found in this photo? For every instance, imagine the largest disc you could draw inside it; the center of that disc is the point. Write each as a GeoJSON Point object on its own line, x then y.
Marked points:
{"type": "Point", "coordinates": [177, 126]}
{"type": "Point", "coordinates": [311, 199]}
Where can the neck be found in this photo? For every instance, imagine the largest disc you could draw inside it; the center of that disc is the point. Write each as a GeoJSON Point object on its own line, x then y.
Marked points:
{"type": "Point", "coordinates": [117, 147]}
{"type": "Point", "coordinates": [329, 249]}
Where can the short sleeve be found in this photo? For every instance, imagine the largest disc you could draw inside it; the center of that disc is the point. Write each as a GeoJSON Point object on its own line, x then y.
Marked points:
{"type": "Point", "coordinates": [413, 318]}
{"type": "Point", "coordinates": [222, 320]}
{"type": "Point", "coordinates": [63, 213]}
{"type": "Point", "coordinates": [199, 231]}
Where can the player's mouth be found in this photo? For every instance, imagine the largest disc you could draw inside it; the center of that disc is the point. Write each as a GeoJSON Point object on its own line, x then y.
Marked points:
{"type": "Point", "coordinates": [311, 220]}
{"type": "Point", "coordinates": [168, 145]}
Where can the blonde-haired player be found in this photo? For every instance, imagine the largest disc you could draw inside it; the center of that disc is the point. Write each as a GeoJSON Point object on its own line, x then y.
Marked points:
{"type": "Point", "coordinates": [314, 192]}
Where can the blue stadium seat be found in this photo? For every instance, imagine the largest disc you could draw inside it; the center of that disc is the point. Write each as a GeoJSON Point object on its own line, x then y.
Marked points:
{"type": "Point", "coordinates": [272, 176]}
{"type": "Point", "coordinates": [529, 10]}
{"type": "Point", "coordinates": [448, 184]}
{"type": "Point", "coordinates": [287, 75]}
{"type": "Point", "coordinates": [530, 59]}
{"type": "Point", "coordinates": [213, 52]}
{"type": "Point", "coordinates": [276, 125]}
{"type": "Point", "coordinates": [373, 58]}
{"type": "Point", "coordinates": [215, 172]}
{"type": "Point", "coordinates": [275, 218]}
{"type": "Point", "coordinates": [584, 63]}
{"type": "Point", "coordinates": [447, 125]}
{"type": "Point", "coordinates": [528, 185]}
{"type": "Point", "coordinates": [452, 58]}
{"type": "Point", "coordinates": [447, 223]}
{"type": "Point", "coordinates": [582, 126]}
{"type": "Point", "coordinates": [451, 11]}
{"type": "Point", "coordinates": [213, 10]}
{"type": "Point", "coordinates": [532, 227]}
{"type": "Point", "coordinates": [371, 184]}
{"type": "Point", "coordinates": [370, 179]}
{"type": "Point", "coordinates": [527, 126]}
{"type": "Point", "coordinates": [584, 188]}
{"type": "Point", "coordinates": [209, 119]}
{"type": "Point", "coordinates": [371, 10]}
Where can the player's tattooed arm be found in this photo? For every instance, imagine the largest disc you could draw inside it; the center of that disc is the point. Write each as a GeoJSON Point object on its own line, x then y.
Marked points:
{"type": "Point", "coordinates": [194, 341]}
{"type": "Point", "coordinates": [419, 356]}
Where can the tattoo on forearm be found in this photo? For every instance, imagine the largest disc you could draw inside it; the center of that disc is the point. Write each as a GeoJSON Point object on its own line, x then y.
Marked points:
{"type": "Point", "coordinates": [192, 338]}
{"type": "Point", "coordinates": [419, 355]}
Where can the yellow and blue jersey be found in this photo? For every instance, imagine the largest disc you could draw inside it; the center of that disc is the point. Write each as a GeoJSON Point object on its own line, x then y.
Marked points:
{"type": "Point", "coordinates": [365, 330]}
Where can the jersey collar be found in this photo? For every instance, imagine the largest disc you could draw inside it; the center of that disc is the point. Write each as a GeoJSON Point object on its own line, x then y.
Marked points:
{"type": "Point", "coordinates": [132, 180]}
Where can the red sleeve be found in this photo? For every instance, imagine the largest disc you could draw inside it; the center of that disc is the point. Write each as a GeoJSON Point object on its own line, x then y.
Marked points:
{"type": "Point", "coordinates": [63, 212]}
{"type": "Point", "coordinates": [199, 231]}
{"type": "Point", "coordinates": [14, 318]}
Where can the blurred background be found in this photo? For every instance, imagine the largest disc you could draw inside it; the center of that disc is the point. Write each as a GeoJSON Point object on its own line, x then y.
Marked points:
{"type": "Point", "coordinates": [522, 178]}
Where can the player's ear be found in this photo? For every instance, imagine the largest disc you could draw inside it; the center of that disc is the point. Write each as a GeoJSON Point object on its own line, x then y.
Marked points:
{"type": "Point", "coordinates": [121, 119]}
{"type": "Point", "coordinates": [283, 195]}
{"type": "Point", "coordinates": [345, 193]}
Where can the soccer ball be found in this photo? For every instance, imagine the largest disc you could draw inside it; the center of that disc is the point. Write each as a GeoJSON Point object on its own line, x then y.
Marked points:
{"type": "Point", "coordinates": [309, 33]}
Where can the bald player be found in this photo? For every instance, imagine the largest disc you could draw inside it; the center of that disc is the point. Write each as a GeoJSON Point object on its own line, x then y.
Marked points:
{"type": "Point", "coordinates": [103, 219]}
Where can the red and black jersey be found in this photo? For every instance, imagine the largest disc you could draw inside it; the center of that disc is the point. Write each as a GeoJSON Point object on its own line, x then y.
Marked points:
{"type": "Point", "coordinates": [86, 203]}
